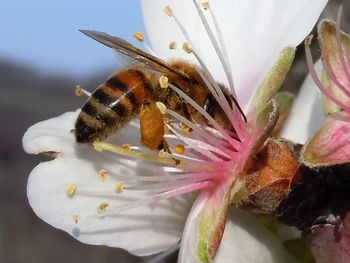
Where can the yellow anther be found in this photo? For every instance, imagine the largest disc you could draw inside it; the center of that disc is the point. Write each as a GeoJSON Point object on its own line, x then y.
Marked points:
{"type": "Point", "coordinates": [139, 36]}
{"type": "Point", "coordinates": [79, 90]}
{"type": "Point", "coordinates": [180, 149]}
{"type": "Point", "coordinates": [186, 129]}
{"type": "Point", "coordinates": [102, 207]}
{"type": "Point", "coordinates": [172, 45]}
{"type": "Point", "coordinates": [102, 146]}
{"type": "Point", "coordinates": [71, 189]}
{"type": "Point", "coordinates": [186, 47]}
{"type": "Point", "coordinates": [119, 187]}
{"type": "Point", "coordinates": [76, 218]}
{"type": "Point", "coordinates": [163, 82]}
{"type": "Point", "coordinates": [97, 146]}
{"type": "Point", "coordinates": [126, 146]}
{"type": "Point", "coordinates": [161, 107]}
{"type": "Point", "coordinates": [102, 175]}
{"type": "Point", "coordinates": [205, 5]}
{"type": "Point", "coordinates": [168, 10]}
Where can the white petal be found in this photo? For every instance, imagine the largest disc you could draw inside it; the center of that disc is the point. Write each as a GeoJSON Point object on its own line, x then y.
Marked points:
{"type": "Point", "coordinates": [255, 32]}
{"type": "Point", "coordinates": [306, 114]}
{"type": "Point", "coordinates": [144, 230]}
{"type": "Point", "coordinates": [247, 240]}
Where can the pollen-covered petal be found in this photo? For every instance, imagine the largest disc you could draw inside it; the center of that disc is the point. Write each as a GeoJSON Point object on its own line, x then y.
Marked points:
{"type": "Point", "coordinates": [74, 191]}
{"type": "Point", "coordinates": [247, 240]}
{"type": "Point", "coordinates": [329, 146]}
{"type": "Point", "coordinates": [306, 114]}
{"type": "Point", "coordinates": [254, 33]}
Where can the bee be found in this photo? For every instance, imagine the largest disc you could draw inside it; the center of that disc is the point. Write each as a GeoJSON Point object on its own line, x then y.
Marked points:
{"type": "Point", "coordinates": [133, 92]}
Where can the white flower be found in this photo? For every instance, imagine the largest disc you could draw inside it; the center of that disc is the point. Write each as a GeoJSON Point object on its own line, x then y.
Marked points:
{"type": "Point", "coordinates": [73, 192]}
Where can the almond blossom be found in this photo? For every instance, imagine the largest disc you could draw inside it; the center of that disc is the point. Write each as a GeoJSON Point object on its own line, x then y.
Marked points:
{"type": "Point", "coordinates": [120, 194]}
{"type": "Point", "coordinates": [326, 152]}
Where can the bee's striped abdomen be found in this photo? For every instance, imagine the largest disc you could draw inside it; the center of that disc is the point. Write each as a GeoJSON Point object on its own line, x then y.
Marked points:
{"type": "Point", "coordinates": [112, 105]}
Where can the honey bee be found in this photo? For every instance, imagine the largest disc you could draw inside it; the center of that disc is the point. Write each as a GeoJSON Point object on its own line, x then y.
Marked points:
{"type": "Point", "coordinates": [134, 91]}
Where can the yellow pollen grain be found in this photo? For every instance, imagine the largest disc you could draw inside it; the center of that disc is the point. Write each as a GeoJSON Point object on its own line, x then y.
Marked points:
{"type": "Point", "coordinates": [180, 149]}
{"type": "Point", "coordinates": [119, 187]}
{"type": "Point", "coordinates": [76, 218]}
{"type": "Point", "coordinates": [161, 107]}
{"type": "Point", "coordinates": [205, 5]}
{"type": "Point", "coordinates": [172, 45]}
{"type": "Point", "coordinates": [126, 146]}
{"type": "Point", "coordinates": [186, 129]}
{"type": "Point", "coordinates": [71, 189]}
{"type": "Point", "coordinates": [102, 207]}
{"type": "Point", "coordinates": [186, 47]}
{"type": "Point", "coordinates": [168, 10]}
{"type": "Point", "coordinates": [79, 90]}
{"type": "Point", "coordinates": [139, 36]}
{"type": "Point", "coordinates": [163, 82]}
{"type": "Point", "coordinates": [102, 175]}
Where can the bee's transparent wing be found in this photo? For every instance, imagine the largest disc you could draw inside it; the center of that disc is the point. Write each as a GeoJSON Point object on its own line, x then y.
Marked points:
{"type": "Point", "coordinates": [124, 47]}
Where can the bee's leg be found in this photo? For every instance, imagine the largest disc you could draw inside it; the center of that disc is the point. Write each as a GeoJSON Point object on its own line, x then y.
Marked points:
{"type": "Point", "coordinates": [151, 125]}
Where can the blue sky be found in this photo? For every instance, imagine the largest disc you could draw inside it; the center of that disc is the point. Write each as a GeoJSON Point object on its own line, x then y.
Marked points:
{"type": "Point", "coordinates": [45, 32]}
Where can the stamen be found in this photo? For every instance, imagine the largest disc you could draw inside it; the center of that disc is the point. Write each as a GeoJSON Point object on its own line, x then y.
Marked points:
{"type": "Point", "coordinates": [205, 114]}
{"type": "Point", "coordinates": [217, 49]}
{"type": "Point", "coordinates": [76, 218]}
{"type": "Point", "coordinates": [172, 45]}
{"type": "Point", "coordinates": [71, 189]}
{"type": "Point", "coordinates": [102, 175]}
{"type": "Point", "coordinates": [79, 91]}
{"type": "Point", "coordinates": [158, 197]}
{"type": "Point", "coordinates": [180, 149]}
{"type": "Point", "coordinates": [205, 5]}
{"type": "Point", "coordinates": [185, 129]}
{"type": "Point", "coordinates": [339, 44]}
{"type": "Point", "coordinates": [102, 207]}
{"type": "Point", "coordinates": [204, 148]}
{"type": "Point", "coordinates": [139, 36]}
{"type": "Point", "coordinates": [235, 120]}
{"type": "Point", "coordinates": [171, 185]}
{"type": "Point", "coordinates": [126, 146]}
{"type": "Point", "coordinates": [314, 75]}
{"type": "Point", "coordinates": [187, 48]}
{"type": "Point", "coordinates": [201, 63]}
{"type": "Point", "coordinates": [334, 79]}
{"type": "Point", "coordinates": [119, 187]}
{"type": "Point", "coordinates": [163, 82]}
{"type": "Point", "coordinates": [340, 116]}
{"type": "Point", "coordinates": [102, 146]}
{"type": "Point", "coordinates": [168, 11]}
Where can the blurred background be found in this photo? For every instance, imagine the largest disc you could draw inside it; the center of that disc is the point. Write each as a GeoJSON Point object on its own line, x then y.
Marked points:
{"type": "Point", "coordinates": [42, 58]}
